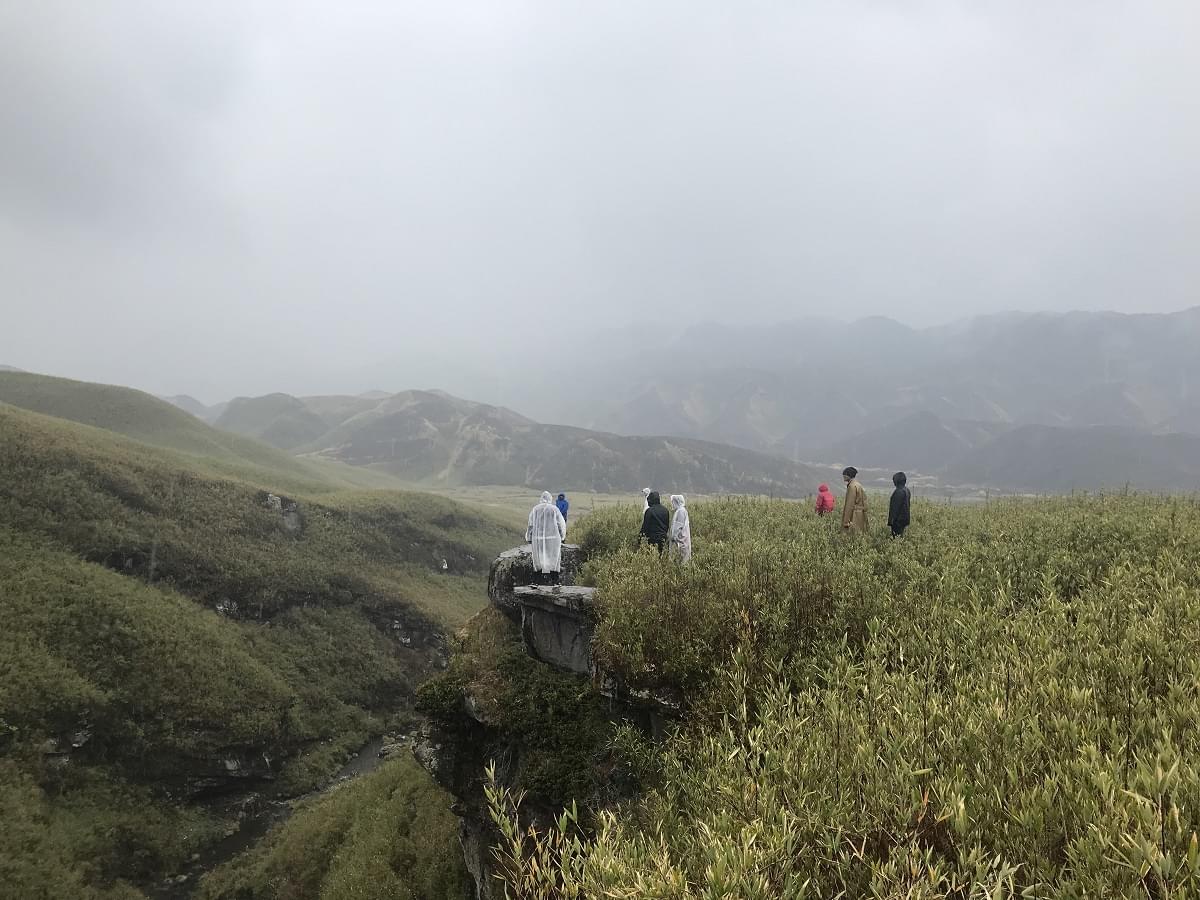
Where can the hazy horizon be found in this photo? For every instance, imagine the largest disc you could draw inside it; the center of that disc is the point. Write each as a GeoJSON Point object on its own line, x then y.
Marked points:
{"type": "Point", "coordinates": [243, 198]}
{"type": "Point", "coordinates": [349, 386]}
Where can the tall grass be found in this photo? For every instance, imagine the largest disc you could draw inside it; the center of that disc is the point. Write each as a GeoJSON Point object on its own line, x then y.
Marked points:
{"type": "Point", "coordinates": [385, 836]}
{"type": "Point", "coordinates": [121, 689]}
{"type": "Point", "coordinates": [1005, 702]}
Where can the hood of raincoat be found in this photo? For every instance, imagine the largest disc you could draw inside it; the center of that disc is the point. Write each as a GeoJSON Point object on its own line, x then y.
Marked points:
{"type": "Point", "coordinates": [653, 499]}
{"type": "Point", "coordinates": [546, 498]}
{"type": "Point", "coordinates": [824, 489]}
{"type": "Point", "coordinates": [678, 501]}
{"type": "Point", "coordinates": [562, 496]}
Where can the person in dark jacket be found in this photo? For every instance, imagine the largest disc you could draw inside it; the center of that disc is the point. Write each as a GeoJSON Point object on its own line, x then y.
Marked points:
{"type": "Point", "coordinates": [656, 522]}
{"type": "Point", "coordinates": [898, 509]}
{"type": "Point", "coordinates": [562, 504]}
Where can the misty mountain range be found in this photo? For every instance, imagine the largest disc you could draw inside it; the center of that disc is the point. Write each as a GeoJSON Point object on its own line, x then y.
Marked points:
{"type": "Point", "coordinates": [995, 401]}
{"type": "Point", "coordinates": [434, 438]}
{"type": "Point", "coordinates": [1043, 403]}
{"type": "Point", "coordinates": [798, 388]}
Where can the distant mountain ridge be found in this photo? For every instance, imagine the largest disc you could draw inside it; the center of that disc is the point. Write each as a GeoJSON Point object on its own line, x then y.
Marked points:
{"type": "Point", "coordinates": [1026, 458]}
{"type": "Point", "coordinates": [195, 407]}
{"type": "Point", "coordinates": [1046, 459]}
{"type": "Point", "coordinates": [921, 441]}
{"type": "Point", "coordinates": [798, 388]}
{"type": "Point", "coordinates": [434, 438]}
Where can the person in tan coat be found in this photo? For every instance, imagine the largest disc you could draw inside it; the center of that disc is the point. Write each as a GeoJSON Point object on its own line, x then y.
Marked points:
{"type": "Point", "coordinates": [854, 513]}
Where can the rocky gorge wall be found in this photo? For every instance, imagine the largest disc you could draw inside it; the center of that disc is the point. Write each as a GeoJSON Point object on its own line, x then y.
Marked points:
{"type": "Point", "coordinates": [524, 694]}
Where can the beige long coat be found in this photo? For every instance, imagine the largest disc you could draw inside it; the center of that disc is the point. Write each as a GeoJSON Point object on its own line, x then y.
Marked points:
{"type": "Point", "coordinates": [854, 513]}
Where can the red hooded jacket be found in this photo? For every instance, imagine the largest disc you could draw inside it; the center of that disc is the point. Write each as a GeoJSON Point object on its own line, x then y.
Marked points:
{"type": "Point", "coordinates": [825, 500]}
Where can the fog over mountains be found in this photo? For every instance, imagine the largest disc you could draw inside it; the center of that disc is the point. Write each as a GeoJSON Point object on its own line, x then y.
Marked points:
{"type": "Point", "coordinates": [1026, 402]}
{"type": "Point", "coordinates": [988, 401]}
{"type": "Point", "coordinates": [800, 387]}
{"type": "Point", "coordinates": [433, 438]}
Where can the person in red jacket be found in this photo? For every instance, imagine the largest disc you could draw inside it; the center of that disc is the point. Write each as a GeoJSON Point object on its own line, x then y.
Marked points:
{"type": "Point", "coordinates": [825, 500]}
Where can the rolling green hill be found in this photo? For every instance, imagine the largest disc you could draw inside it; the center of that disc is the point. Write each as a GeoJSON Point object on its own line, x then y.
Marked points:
{"type": "Point", "coordinates": [193, 406]}
{"type": "Point", "coordinates": [170, 635]}
{"type": "Point", "coordinates": [148, 419]}
{"type": "Point", "coordinates": [277, 419]}
{"type": "Point", "coordinates": [432, 438]}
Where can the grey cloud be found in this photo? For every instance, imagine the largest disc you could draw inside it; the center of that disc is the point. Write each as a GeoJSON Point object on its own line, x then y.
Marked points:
{"type": "Point", "coordinates": [415, 192]}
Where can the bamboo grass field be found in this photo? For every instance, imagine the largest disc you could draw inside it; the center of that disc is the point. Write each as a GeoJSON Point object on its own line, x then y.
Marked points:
{"type": "Point", "coordinates": [1005, 702]}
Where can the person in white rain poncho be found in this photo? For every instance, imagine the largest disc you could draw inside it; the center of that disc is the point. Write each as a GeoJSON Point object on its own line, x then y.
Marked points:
{"type": "Point", "coordinates": [546, 533]}
{"type": "Point", "coordinates": [681, 529]}
{"type": "Point", "coordinates": [645, 499]}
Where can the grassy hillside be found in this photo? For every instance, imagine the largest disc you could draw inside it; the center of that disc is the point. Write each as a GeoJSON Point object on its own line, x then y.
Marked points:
{"type": "Point", "coordinates": [148, 419]}
{"type": "Point", "coordinates": [123, 504]}
{"type": "Point", "coordinates": [170, 634]}
{"type": "Point", "coordinates": [193, 406]}
{"type": "Point", "coordinates": [133, 414]}
{"type": "Point", "coordinates": [434, 439]}
{"type": "Point", "coordinates": [387, 835]}
{"type": "Point", "coordinates": [288, 422]}
{"type": "Point", "coordinates": [276, 419]}
{"type": "Point", "coordinates": [335, 409]}
{"type": "Point", "coordinates": [1002, 703]}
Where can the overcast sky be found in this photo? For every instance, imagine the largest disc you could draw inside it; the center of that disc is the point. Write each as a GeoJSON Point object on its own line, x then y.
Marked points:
{"type": "Point", "coordinates": [230, 198]}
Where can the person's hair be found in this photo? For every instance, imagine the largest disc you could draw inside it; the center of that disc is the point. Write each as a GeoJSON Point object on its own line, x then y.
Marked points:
{"type": "Point", "coordinates": [850, 472]}
{"type": "Point", "coordinates": [899, 478]}
{"type": "Point", "coordinates": [653, 498]}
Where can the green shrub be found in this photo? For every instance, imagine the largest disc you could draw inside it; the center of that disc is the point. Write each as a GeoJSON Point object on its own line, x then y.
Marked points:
{"type": "Point", "coordinates": [1006, 702]}
{"type": "Point", "coordinates": [112, 555]}
{"type": "Point", "coordinates": [560, 725]}
{"type": "Point", "coordinates": [385, 836]}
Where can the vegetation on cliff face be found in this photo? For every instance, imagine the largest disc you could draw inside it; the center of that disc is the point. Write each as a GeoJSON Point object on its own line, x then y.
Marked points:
{"type": "Point", "coordinates": [1006, 702]}
{"type": "Point", "coordinates": [558, 725]}
{"type": "Point", "coordinates": [388, 835]}
{"type": "Point", "coordinates": [169, 633]}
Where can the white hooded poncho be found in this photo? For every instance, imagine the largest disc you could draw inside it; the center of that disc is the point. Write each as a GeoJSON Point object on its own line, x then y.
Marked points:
{"type": "Point", "coordinates": [546, 533]}
{"type": "Point", "coordinates": [645, 499]}
{"type": "Point", "coordinates": [681, 529]}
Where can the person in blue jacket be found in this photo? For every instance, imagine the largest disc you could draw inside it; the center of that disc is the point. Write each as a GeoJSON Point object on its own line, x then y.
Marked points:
{"type": "Point", "coordinates": [562, 504]}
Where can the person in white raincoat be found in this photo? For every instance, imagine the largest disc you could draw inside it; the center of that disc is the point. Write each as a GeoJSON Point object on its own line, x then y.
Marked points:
{"type": "Point", "coordinates": [645, 499]}
{"type": "Point", "coordinates": [546, 533]}
{"type": "Point", "coordinates": [681, 529]}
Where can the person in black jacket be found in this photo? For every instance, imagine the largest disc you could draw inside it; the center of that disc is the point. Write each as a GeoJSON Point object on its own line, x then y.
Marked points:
{"type": "Point", "coordinates": [898, 509]}
{"type": "Point", "coordinates": [656, 522]}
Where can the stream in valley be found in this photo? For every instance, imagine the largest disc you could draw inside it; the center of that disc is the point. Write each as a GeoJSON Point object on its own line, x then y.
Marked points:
{"type": "Point", "coordinates": [256, 816]}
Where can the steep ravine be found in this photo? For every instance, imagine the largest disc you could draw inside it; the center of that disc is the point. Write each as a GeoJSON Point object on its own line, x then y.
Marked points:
{"type": "Point", "coordinates": [523, 694]}
{"type": "Point", "coordinates": [256, 814]}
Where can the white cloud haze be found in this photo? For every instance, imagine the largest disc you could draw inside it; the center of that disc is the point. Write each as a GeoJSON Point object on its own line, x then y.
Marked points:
{"type": "Point", "coordinates": [241, 197]}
